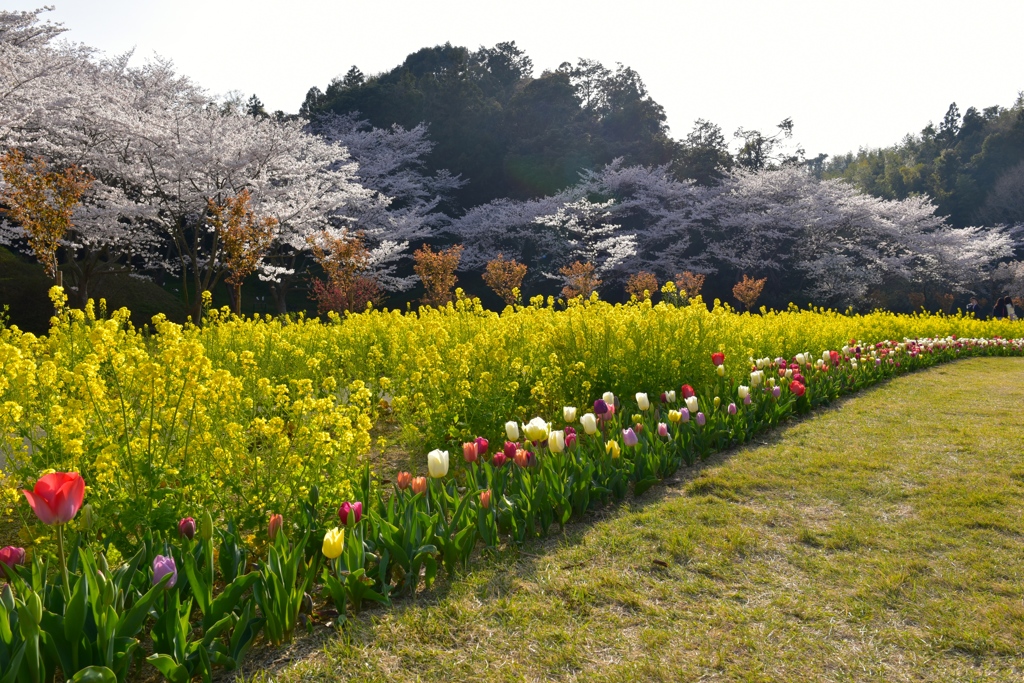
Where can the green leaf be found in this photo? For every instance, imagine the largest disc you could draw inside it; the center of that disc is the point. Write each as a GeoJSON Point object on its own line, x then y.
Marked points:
{"type": "Point", "coordinates": [229, 597]}
{"type": "Point", "coordinates": [131, 622]}
{"type": "Point", "coordinates": [74, 614]}
{"type": "Point", "coordinates": [94, 674]}
{"type": "Point", "coordinates": [172, 671]}
{"type": "Point", "coordinates": [200, 589]}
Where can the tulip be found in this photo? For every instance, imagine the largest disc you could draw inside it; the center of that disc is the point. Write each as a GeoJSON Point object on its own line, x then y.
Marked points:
{"type": "Point", "coordinates": [776, 391]}
{"type": "Point", "coordinates": [611, 411]}
{"type": "Point", "coordinates": [691, 404]}
{"type": "Point", "coordinates": [485, 499]}
{"type": "Point", "coordinates": [613, 448]}
{"type": "Point", "coordinates": [756, 378]}
{"type": "Point", "coordinates": [788, 374]}
{"type": "Point", "coordinates": [512, 430]}
{"type": "Point", "coordinates": [206, 526]}
{"type": "Point", "coordinates": [687, 391]}
{"type": "Point", "coordinates": [536, 429]}
{"type": "Point", "coordinates": [521, 458]}
{"type": "Point", "coordinates": [797, 388]}
{"type": "Point", "coordinates": [469, 451]}
{"type": "Point", "coordinates": [637, 417]}
{"type": "Point", "coordinates": [57, 497]}
{"type": "Point", "coordinates": [742, 391]}
{"type": "Point", "coordinates": [600, 406]}
{"type": "Point", "coordinates": [718, 358]}
{"type": "Point", "coordinates": [187, 528]}
{"type": "Point", "coordinates": [569, 414]}
{"type": "Point", "coordinates": [88, 520]}
{"type": "Point", "coordinates": [275, 525]}
{"type": "Point", "coordinates": [437, 463]}
{"type": "Point", "coordinates": [797, 377]}
{"type": "Point", "coordinates": [662, 429]}
{"type": "Point", "coordinates": [12, 556]}
{"type": "Point", "coordinates": [510, 449]}
{"type": "Point", "coordinates": [589, 422]}
{"type": "Point", "coordinates": [629, 437]}
{"type": "Point", "coordinates": [419, 484]}
{"type": "Point", "coordinates": [403, 479]}
{"type": "Point", "coordinates": [675, 416]}
{"type": "Point", "coordinates": [701, 419]}
{"type": "Point", "coordinates": [826, 356]}
{"type": "Point", "coordinates": [720, 370]}
{"type": "Point", "coordinates": [731, 409]}
{"type": "Point", "coordinates": [354, 509]}
{"type": "Point", "coordinates": [643, 402]}
{"type": "Point", "coordinates": [334, 543]}
{"type": "Point", "coordinates": [684, 415]}
{"type": "Point", "coordinates": [671, 395]}
{"type": "Point", "coordinates": [556, 441]}
{"type": "Point", "coordinates": [499, 459]}
{"type": "Point", "coordinates": [800, 358]}
{"type": "Point", "coordinates": [482, 445]}
{"type": "Point", "coordinates": [162, 566]}
{"type": "Point", "coordinates": [609, 398]}
{"type": "Point", "coordinates": [570, 437]}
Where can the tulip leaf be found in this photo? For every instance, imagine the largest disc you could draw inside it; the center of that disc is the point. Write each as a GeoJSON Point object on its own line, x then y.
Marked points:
{"type": "Point", "coordinates": [74, 614]}
{"type": "Point", "coordinates": [94, 674]}
{"type": "Point", "coordinates": [229, 597]}
{"type": "Point", "coordinates": [172, 671]}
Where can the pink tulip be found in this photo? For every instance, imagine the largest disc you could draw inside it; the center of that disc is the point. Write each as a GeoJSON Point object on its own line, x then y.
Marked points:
{"type": "Point", "coordinates": [684, 415]}
{"type": "Point", "coordinates": [499, 459]}
{"type": "Point", "coordinates": [629, 437]}
{"type": "Point", "coordinates": [701, 419]}
{"type": "Point", "coordinates": [187, 528]}
{"type": "Point", "coordinates": [12, 556]}
{"type": "Point", "coordinates": [732, 408]}
{"type": "Point", "coordinates": [662, 429]}
{"type": "Point", "coordinates": [510, 449]}
{"type": "Point", "coordinates": [353, 509]}
{"type": "Point", "coordinates": [162, 566]}
{"type": "Point", "coordinates": [470, 451]}
{"type": "Point", "coordinates": [481, 446]}
{"type": "Point", "coordinates": [57, 497]}
{"type": "Point", "coordinates": [485, 499]}
{"type": "Point", "coordinates": [275, 526]}
{"type": "Point", "coordinates": [776, 391]}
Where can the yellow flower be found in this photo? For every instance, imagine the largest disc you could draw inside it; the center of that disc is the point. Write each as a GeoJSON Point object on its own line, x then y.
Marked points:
{"type": "Point", "coordinates": [334, 543]}
{"type": "Point", "coordinates": [613, 448]}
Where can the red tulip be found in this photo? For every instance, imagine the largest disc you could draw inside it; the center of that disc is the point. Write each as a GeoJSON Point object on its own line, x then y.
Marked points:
{"type": "Point", "coordinates": [687, 391]}
{"type": "Point", "coordinates": [481, 445]}
{"type": "Point", "coordinates": [403, 480]}
{"type": "Point", "coordinates": [797, 388]}
{"type": "Point", "coordinates": [834, 355]}
{"type": "Point", "coordinates": [187, 528]}
{"type": "Point", "coordinates": [12, 556]}
{"type": "Point", "coordinates": [57, 497]}
{"type": "Point", "coordinates": [718, 358]}
{"type": "Point", "coordinates": [510, 450]}
{"type": "Point", "coordinates": [275, 526]}
{"type": "Point", "coordinates": [354, 509]}
{"type": "Point", "coordinates": [499, 459]}
{"type": "Point", "coordinates": [419, 484]}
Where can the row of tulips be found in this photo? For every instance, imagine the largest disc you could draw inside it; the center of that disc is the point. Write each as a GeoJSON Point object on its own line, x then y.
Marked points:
{"type": "Point", "coordinates": [202, 603]}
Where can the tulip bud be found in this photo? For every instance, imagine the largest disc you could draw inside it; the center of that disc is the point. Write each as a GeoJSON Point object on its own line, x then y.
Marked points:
{"type": "Point", "coordinates": [718, 358]}
{"type": "Point", "coordinates": [499, 459]}
{"type": "Point", "coordinates": [609, 398]}
{"type": "Point", "coordinates": [686, 391]}
{"type": "Point", "coordinates": [746, 400]}
{"type": "Point", "coordinates": [350, 511]}
{"type": "Point", "coordinates": [437, 463]}
{"type": "Point", "coordinates": [662, 429]}
{"type": "Point", "coordinates": [206, 526]}
{"type": "Point", "coordinates": [637, 417]}
{"type": "Point", "coordinates": [334, 543]}
{"type": "Point", "coordinates": [613, 448]}
{"type": "Point", "coordinates": [732, 408]}
{"type": "Point", "coordinates": [275, 526]}
{"type": "Point", "coordinates": [485, 499]}
{"type": "Point", "coordinates": [642, 401]}
{"type": "Point", "coordinates": [569, 414]}
{"type": "Point", "coordinates": [482, 445]}
{"type": "Point", "coordinates": [720, 370]}
{"type": "Point", "coordinates": [570, 438]}
{"type": "Point", "coordinates": [419, 484]}
{"type": "Point", "coordinates": [776, 391]}
{"type": "Point", "coordinates": [187, 528]}
{"type": "Point", "coordinates": [88, 517]}
{"type": "Point", "coordinates": [717, 402]}
{"type": "Point", "coordinates": [556, 441]}
{"type": "Point", "coordinates": [589, 422]}
{"type": "Point", "coordinates": [469, 451]}
{"type": "Point", "coordinates": [512, 430]}
{"type": "Point", "coordinates": [510, 449]}
{"type": "Point", "coordinates": [34, 607]}
{"type": "Point", "coordinates": [403, 479]}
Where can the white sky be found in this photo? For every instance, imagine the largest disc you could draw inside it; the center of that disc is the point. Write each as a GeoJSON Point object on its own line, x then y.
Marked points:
{"type": "Point", "coordinates": [850, 74]}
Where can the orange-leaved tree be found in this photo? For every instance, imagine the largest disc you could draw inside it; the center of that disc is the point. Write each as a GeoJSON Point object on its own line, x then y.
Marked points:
{"type": "Point", "coordinates": [580, 280]}
{"type": "Point", "coordinates": [436, 269]}
{"type": "Point", "coordinates": [41, 201]}
{"type": "Point", "coordinates": [642, 285]}
{"type": "Point", "coordinates": [244, 238]}
{"type": "Point", "coordinates": [505, 277]}
{"type": "Point", "coordinates": [748, 290]}
{"type": "Point", "coordinates": [345, 260]}
{"type": "Point", "coordinates": [689, 284]}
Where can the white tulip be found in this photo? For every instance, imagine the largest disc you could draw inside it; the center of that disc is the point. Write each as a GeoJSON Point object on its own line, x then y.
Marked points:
{"type": "Point", "coordinates": [437, 463]}
{"type": "Point", "coordinates": [589, 422]}
{"type": "Point", "coordinates": [742, 391]}
{"type": "Point", "coordinates": [556, 441]}
{"type": "Point", "coordinates": [643, 402]}
{"type": "Point", "coordinates": [512, 431]}
{"type": "Point", "coordinates": [691, 404]}
{"type": "Point", "coordinates": [569, 414]}
{"type": "Point", "coordinates": [609, 398]}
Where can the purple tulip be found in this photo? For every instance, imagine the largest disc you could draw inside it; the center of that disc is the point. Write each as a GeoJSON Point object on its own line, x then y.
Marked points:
{"type": "Point", "coordinates": [162, 566]}
{"type": "Point", "coordinates": [684, 415]}
{"type": "Point", "coordinates": [12, 556]}
{"type": "Point", "coordinates": [746, 400]}
{"type": "Point", "coordinates": [600, 407]}
{"type": "Point", "coordinates": [187, 528]}
{"type": "Point", "coordinates": [732, 408]}
{"type": "Point", "coordinates": [629, 437]}
{"type": "Point", "coordinates": [776, 391]}
{"type": "Point", "coordinates": [662, 429]}
{"type": "Point", "coordinates": [701, 419]}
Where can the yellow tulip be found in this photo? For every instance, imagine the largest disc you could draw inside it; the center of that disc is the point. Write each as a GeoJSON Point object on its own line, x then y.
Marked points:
{"type": "Point", "coordinates": [334, 543]}
{"type": "Point", "coordinates": [613, 448]}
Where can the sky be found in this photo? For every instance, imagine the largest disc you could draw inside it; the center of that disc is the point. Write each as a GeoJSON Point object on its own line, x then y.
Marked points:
{"type": "Point", "coordinates": [850, 74]}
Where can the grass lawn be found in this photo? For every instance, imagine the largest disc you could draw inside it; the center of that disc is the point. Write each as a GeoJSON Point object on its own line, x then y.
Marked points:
{"type": "Point", "coordinates": [880, 540]}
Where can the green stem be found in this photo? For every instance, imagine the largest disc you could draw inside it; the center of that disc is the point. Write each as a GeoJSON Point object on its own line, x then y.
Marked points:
{"type": "Point", "coordinates": [63, 563]}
